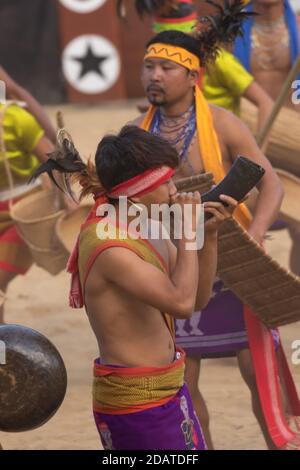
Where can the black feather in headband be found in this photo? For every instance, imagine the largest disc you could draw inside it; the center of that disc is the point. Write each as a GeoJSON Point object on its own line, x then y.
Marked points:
{"type": "Point", "coordinates": [65, 159]}
{"type": "Point", "coordinates": [226, 25]}
{"type": "Point", "coordinates": [220, 29]}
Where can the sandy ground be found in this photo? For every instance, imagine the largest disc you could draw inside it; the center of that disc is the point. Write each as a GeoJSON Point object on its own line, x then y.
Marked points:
{"type": "Point", "coordinates": [40, 301]}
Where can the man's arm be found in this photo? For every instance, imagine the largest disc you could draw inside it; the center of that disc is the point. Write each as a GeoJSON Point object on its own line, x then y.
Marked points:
{"type": "Point", "coordinates": [238, 140]}
{"type": "Point", "coordinates": [43, 147]}
{"type": "Point", "coordinates": [239, 82]}
{"type": "Point", "coordinates": [175, 294]}
{"type": "Point", "coordinates": [207, 261]}
{"type": "Point", "coordinates": [264, 103]}
{"type": "Point", "coordinates": [38, 112]}
{"type": "Point", "coordinates": [15, 91]}
{"type": "Point", "coordinates": [208, 255]}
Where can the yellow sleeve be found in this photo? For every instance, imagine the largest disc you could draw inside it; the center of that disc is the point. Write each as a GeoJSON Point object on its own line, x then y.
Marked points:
{"type": "Point", "coordinates": [231, 74]}
{"type": "Point", "coordinates": [29, 131]}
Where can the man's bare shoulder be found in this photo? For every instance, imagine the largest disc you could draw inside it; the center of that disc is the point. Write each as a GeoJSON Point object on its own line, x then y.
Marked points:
{"type": "Point", "coordinates": [115, 256]}
{"type": "Point", "coordinates": [225, 121]}
{"type": "Point", "coordinates": [221, 114]}
{"type": "Point", "coordinates": [137, 121]}
{"type": "Point", "coordinates": [113, 261]}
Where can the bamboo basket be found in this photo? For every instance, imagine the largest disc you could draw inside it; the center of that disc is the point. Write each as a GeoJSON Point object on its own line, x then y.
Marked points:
{"type": "Point", "coordinates": [35, 217]}
{"type": "Point", "coordinates": [271, 292]}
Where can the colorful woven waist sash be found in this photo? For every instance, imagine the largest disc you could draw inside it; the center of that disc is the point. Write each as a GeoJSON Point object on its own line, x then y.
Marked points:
{"type": "Point", "coordinates": [122, 390]}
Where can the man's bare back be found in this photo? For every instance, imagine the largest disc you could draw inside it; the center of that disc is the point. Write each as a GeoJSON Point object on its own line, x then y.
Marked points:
{"type": "Point", "coordinates": [126, 329]}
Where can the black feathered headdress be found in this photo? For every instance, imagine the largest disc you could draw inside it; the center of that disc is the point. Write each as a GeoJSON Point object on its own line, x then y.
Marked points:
{"type": "Point", "coordinates": [65, 159]}
{"type": "Point", "coordinates": [226, 24]}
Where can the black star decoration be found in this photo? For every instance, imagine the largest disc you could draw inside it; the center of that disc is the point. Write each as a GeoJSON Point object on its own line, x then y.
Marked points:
{"type": "Point", "coordinates": [91, 63]}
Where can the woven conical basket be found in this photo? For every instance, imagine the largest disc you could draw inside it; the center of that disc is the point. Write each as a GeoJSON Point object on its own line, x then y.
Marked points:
{"type": "Point", "coordinates": [35, 217]}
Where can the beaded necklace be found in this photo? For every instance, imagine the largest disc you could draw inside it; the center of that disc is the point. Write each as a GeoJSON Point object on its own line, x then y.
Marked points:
{"type": "Point", "coordinates": [274, 33]}
{"type": "Point", "coordinates": [184, 126]}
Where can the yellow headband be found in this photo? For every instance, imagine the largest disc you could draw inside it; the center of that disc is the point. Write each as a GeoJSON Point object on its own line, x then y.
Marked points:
{"type": "Point", "coordinates": [173, 53]}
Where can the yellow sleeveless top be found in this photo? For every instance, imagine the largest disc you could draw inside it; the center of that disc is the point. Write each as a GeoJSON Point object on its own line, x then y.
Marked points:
{"type": "Point", "coordinates": [21, 134]}
{"type": "Point", "coordinates": [225, 82]}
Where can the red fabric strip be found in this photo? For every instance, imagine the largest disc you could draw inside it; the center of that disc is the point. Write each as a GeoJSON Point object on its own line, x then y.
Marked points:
{"type": "Point", "coordinates": [101, 370]}
{"type": "Point", "coordinates": [10, 268]}
{"type": "Point", "coordinates": [267, 378]}
{"type": "Point", "coordinates": [143, 183]}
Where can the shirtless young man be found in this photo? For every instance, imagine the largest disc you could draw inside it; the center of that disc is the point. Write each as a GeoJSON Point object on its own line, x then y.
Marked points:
{"type": "Point", "coordinates": [127, 284]}
{"type": "Point", "coordinates": [209, 139]}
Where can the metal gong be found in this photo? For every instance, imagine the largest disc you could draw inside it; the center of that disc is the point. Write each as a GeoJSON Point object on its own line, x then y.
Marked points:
{"type": "Point", "coordinates": [33, 379]}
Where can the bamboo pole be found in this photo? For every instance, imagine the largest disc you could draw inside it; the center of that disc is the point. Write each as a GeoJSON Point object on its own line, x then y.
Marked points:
{"type": "Point", "coordinates": [60, 120]}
